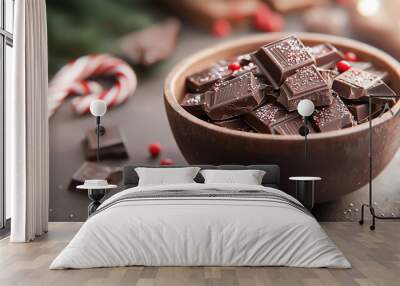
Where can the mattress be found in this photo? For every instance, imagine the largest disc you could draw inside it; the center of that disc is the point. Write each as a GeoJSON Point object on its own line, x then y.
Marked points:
{"type": "Point", "coordinates": [201, 225]}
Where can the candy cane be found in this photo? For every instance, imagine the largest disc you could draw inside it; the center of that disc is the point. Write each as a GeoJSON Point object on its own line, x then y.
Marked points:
{"type": "Point", "coordinates": [72, 79]}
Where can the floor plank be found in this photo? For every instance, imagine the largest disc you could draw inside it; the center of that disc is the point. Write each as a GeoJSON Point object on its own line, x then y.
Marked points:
{"type": "Point", "coordinates": [375, 257]}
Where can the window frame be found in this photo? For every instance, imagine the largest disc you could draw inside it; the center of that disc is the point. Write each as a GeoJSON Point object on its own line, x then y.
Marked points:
{"type": "Point", "coordinates": [6, 39]}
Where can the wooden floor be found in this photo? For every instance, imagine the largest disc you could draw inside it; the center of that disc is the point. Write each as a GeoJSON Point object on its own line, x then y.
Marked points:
{"type": "Point", "coordinates": [375, 257]}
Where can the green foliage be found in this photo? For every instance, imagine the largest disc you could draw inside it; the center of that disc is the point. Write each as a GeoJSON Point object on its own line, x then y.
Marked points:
{"type": "Point", "coordinates": [79, 27]}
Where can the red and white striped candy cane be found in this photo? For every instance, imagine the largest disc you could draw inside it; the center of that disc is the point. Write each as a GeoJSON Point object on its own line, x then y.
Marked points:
{"type": "Point", "coordinates": [72, 79]}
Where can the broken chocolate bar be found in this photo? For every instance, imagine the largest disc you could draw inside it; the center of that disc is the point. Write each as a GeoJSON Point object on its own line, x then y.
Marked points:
{"type": "Point", "coordinates": [111, 144]}
{"type": "Point", "coordinates": [354, 83]}
{"type": "Point", "coordinates": [266, 117]}
{"type": "Point", "coordinates": [360, 111]}
{"type": "Point", "coordinates": [204, 80]}
{"type": "Point", "coordinates": [306, 83]}
{"type": "Point", "coordinates": [282, 58]}
{"type": "Point", "coordinates": [234, 124]}
{"type": "Point", "coordinates": [194, 103]}
{"type": "Point", "coordinates": [359, 84]}
{"type": "Point", "coordinates": [90, 170]}
{"type": "Point", "coordinates": [233, 97]}
{"type": "Point", "coordinates": [153, 44]}
{"type": "Point", "coordinates": [369, 67]}
{"type": "Point", "coordinates": [333, 117]}
{"type": "Point", "coordinates": [325, 55]}
{"type": "Point", "coordinates": [292, 126]}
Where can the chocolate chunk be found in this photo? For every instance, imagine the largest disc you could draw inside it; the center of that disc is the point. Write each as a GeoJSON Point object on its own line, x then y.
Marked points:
{"type": "Point", "coordinates": [233, 97]}
{"type": "Point", "coordinates": [153, 44]}
{"type": "Point", "coordinates": [306, 83]}
{"type": "Point", "coordinates": [360, 111]}
{"type": "Point", "coordinates": [194, 103]}
{"type": "Point", "coordinates": [358, 84]}
{"type": "Point", "coordinates": [111, 144]}
{"type": "Point", "coordinates": [325, 55]}
{"type": "Point", "coordinates": [354, 83]}
{"type": "Point", "coordinates": [282, 58]}
{"type": "Point", "coordinates": [292, 126]}
{"type": "Point", "coordinates": [380, 89]}
{"type": "Point", "coordinates": [266, 117]}
{"type": "Point", "coordinates": [90, 171]}
{"type": "Point", "coordinates": [203, 81]}
{"type": "Point", "coordinates": [333, 117]}
{"type": "Point", "coordinates": [235, 124]}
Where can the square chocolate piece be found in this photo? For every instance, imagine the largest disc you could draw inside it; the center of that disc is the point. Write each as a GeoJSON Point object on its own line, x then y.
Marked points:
{"type": "Point", "coordinates": [202, 81]}
{"type": "Point", "coordinates": [111, 144]}
{"type": "Point", "coordinates": [354, 83]}
{"type": "Point", "coordinates": [233, 97]}
{"type": "Point", "coordinates": [306, 83]}
{"type": "Point", "coordinates": [325, 55]}
{"type": "Point", "coordinates": [194, 103]}
{"type": "Point", "coordinates": [265, 118]}
{"type": "Point", "coordinates": [360, 111]}
{"type": "Point", "coordinates": [333, 117]}
{"type": "Point", "coordinates": [235, 124]}
{"type": "Point", "coordinates": [292, 126]}
{"type": "Point", "coordinates": [282, 58]}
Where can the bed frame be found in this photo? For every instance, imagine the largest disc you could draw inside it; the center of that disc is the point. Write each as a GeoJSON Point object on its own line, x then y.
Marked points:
{"type": "Point", "coordinates": [271, 178]}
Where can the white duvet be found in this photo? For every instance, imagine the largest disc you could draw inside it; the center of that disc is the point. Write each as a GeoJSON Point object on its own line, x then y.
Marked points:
{"type": "Point", "coordinates": [200, 231]}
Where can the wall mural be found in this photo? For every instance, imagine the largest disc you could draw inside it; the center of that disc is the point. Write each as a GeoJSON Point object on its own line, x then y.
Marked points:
{"type": "Point", "coordinates": [232, 103]}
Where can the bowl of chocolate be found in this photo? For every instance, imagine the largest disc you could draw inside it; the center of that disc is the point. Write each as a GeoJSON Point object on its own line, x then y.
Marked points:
{"type": "Point", "coordinates": [236, 103]}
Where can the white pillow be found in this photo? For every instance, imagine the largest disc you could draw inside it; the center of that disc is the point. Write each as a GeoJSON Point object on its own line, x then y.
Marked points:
{"type": "Point", "coordinates": [164, 176]}
{"type": "Point", "coordinates": [248, 177]}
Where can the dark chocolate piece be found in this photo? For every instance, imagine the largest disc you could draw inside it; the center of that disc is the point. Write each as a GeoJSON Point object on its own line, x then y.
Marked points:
{"type": "Point", "coordinates": [282, 58]}
{"type": "Point", "coordinates": [111, 144]}
{"type": "Point", "coordinates": [306, 83]}
{"type": "Point", "coordinates": [325, 55]}
{"type": "Point", "coordinates": [354, 83]}
{"type": "Point", "coordinates": [233, 97]}
{"type": "Point", "coordinates": [235, 124]}
{"type": "Point", "coordinates": [266, 117]}
{"type": "Point", "coordinates": [153, 44]}
{"type": "Point", "coordinates": [90, 171]}
{"type": "Point", "coordinates": [380, 89]}
{"type": "Point", "coordinates": [360, 111]}
{"type": "Point", "coordinates": [292, 126]}
{"type": "Point", "coordinates": [333, 117]}
{"type": "Point", "coordinates": [359, 84]}
{"type": "Point", "coordinates": [194, 103]}
{"type": "Point", "coordinates": [202, 81]}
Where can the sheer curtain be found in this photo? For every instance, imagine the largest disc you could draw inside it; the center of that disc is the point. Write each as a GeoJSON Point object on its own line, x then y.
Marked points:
{"type": "Point", "coordinates": [27, 160]}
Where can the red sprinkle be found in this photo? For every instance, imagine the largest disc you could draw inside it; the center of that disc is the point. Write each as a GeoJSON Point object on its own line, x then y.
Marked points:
{"type": "Point", "coordinates": [234, 66]}
{"type": "Point", "coordinates": [221, 28]}
{"type": "Point", "coordinates": [343, 66]}
{"type": "Point", "coordinates": [350, 56]}
{"type": "Point", "coordinates": [166, 162]}
{"type": "Point", "coordinates": [155, 149]}
{"type": "Point", "coordinates": [268, 21]}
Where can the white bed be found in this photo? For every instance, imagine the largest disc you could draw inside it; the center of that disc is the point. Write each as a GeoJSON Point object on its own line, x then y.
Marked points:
{"type": "Point", "coordinates": [185, 230]}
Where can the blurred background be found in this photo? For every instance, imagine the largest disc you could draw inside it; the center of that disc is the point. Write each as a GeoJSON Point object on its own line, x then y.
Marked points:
{"type": "Point", "coordinates": [152, 36]}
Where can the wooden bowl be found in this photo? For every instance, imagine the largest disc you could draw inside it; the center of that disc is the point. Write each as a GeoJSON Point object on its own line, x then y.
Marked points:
{"type": "Point", "coordinates": [339, 157]}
